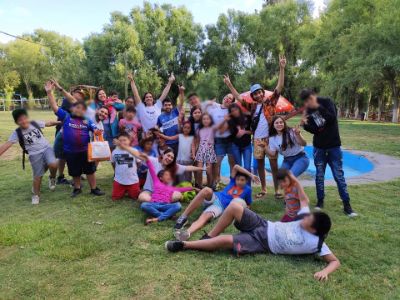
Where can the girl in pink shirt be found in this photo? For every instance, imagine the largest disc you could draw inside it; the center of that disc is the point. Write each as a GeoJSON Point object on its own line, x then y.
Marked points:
{"type": "Point", "coordinates": [161, 207]}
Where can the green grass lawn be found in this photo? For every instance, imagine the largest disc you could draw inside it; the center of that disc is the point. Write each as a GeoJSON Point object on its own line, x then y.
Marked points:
{"type": "Point", "coordinates": [94, 248]}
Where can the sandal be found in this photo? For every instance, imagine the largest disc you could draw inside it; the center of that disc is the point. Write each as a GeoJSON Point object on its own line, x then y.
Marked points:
{"type": "Point", "coordinates": [279, 196]}
{"type": "Point", "coordinates": [260, 195]}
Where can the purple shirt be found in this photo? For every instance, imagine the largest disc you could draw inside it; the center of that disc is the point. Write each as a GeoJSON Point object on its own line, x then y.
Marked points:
{"type": "Point", "coordinates": [75, 132]}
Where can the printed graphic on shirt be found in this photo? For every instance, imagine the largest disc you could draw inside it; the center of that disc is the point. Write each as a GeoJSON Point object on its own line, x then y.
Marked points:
{"type": "Point", "coordinates": [32, 137]}
{"type": "Point", "coordinates": [288, 235]}
{"type": "Point", "coordinates": [318, 119]}
{"type": "Point", "coordinates": [171, 123]}
{"type": "Point", "coordinates": [124, 159]}
{"type": "Point", "coordinates": [235, 191]}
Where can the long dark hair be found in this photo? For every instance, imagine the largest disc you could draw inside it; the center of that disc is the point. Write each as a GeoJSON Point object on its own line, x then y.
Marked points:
{"type": "Point", "coordinates": [96, 96]}
{"type": "Point", "coordinates": [191, 119]}
{"type": "Point", "coordinates": [234, 122]}
{"type": "Point", "coordinates": [172, 167]}
{"type": "Point", "coordinates": [287, 139]}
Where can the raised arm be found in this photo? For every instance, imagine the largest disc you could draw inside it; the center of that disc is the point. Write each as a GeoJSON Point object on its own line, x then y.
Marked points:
{"type": "Point", "coordinates": [304, 201]}
{"type": "Point", "coordinates": [230, 86]}
{"type": "Point", "coordinates": [299, 138]}
{"type": "Point", "coordinates": [333, 265]}
{"type": "Point", "coordinates": [281, 79]}
{"type": "Point", "coordinates": [236, 169]}
{"type": "Point", "coordinates": [52, 123]}
{"type": "Point", "coordinates": [136, 96]}
{"type": "Point", "coordinates": [136, 153]}
{"type": "Point", "coordinates": [66, 94]}
{"type": "Point", "coordinates": [49, 87]}
{"type": "Point", "coordinates": [5, 147]}
{"type": "Point", "coordinates": [181, 97]}
{"type": "Point", "coordinates": [165, 92]}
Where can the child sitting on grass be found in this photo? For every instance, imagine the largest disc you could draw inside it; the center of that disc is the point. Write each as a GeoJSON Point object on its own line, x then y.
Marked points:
{"type": "Point", "coordinates": [145, 146]}
{"type": "Point", "coordinates": [161, 206]}
{"type": "Point", "coordinates": [75, 130]}
{"type": "Point", "coordinates": [238, 190]}
{"type": "Point", "coordinates": [126, 178]}
{"type": "Point", "coordinates": [32, 141]}
{"type": "Point", "coordinates": [295, 197]}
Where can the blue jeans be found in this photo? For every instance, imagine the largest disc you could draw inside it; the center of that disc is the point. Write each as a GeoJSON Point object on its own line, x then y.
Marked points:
{"type": "Point", "coordinates": [245, 153]}
{"type": "Point", "coordinates": [162, 211]}
{"type": "Point", "coordinates": [297, 164]}
{"type": "Point", "coordinates": [334, 158]}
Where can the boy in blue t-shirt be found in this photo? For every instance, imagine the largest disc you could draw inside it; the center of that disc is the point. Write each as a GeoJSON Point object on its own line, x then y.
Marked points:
{"type": "Point", "coordinates": [238, 190]}
{"type": "Point", "coordinates": [76, 138]}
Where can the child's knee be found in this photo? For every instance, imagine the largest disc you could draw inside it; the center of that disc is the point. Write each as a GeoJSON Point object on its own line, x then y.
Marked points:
{"type": "Point", "coordinates": [207, 192]}
{"type": "Point", "coordinates": [176, 196]}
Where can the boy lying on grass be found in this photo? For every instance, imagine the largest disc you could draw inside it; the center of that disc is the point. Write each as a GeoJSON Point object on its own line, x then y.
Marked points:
{"type": "Point", "coordinates": [257, 235]}
{"type": "Point", "coordinates": [32, 141]}
{"type": "Point", "coordinates": [238, 190]}
{"type": "Point", "coordinates": [162, 205]}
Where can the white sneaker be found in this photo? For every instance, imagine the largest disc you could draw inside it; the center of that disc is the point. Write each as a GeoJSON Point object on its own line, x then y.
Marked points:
{"type": "Point", "coordinates": [182, 235]}
{"type": "Point", "coordinates": [52, 184]}
{"type": "Point", "coordinates": [35, 199]}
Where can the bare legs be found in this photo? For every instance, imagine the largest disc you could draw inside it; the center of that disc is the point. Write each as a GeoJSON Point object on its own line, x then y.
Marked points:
{"type": "Point", "coordinates": [37, 181]}
{"type": "Point", "coordinates": [261, 174]}
{"type": "Point", "coordinates": [200, 222]}
{"type": "Point", "coordinates": [92, 180]}
{"type": "Point", "coordinates": [205, 193]}
{"type": "Point", "coordinates": [233, 212]}
{"type": "Point", "coordinates": [274, 169]}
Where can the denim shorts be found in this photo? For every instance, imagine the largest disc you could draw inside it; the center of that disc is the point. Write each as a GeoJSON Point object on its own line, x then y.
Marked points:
{"type": "Point", "coordinates": [223, 146]}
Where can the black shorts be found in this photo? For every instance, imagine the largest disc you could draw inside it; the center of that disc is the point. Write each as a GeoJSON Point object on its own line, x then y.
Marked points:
{"type": "Point", "coordinates": [78, 164]}
{"type": "Point", "coordinates": [253, 236]}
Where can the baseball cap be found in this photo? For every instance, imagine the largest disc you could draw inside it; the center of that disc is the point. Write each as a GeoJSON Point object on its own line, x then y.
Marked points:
{"type": "Point", "coordinates": [255, 87]}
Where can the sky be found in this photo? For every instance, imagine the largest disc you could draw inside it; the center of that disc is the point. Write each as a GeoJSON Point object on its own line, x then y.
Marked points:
{"type": "Point", "coordinates": [79, 18]}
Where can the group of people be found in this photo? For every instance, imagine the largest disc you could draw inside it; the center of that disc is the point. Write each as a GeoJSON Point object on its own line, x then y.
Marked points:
{"type": "Point", "coordinates": [155, 145]}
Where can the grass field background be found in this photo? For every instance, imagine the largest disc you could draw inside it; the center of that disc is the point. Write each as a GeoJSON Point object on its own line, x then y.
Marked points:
{"type": "Point", "coordinates": [93, 248]}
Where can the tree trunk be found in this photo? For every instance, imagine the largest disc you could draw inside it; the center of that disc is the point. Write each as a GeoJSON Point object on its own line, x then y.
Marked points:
{"type": "Point", "coordinates": [368, 102]}
{"type": "Point", "coordinates": [395, 98]}
{"type": "Point", "coordinates": [380, 101]}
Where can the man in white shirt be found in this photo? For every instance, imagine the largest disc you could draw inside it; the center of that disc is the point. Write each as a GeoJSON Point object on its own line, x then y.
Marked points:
{"type": "Point", "coordinates": [257, 235]}
{"type": "Point", "coordinates": [262, 110]}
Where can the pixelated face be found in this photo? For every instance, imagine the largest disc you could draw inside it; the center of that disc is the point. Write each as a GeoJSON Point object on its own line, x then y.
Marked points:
{"type": "Point", "coordinates": [258, 96]}
{"type": "Point", "coordinates": [148, 99]}
{"type": "Point", "coordinates": [167, 107]}
{"type": "Point", "coordinates": [197, 114]}
{"type": "Point", "coordinates": [125, 141]}
{"type": "Point", "coordinates": [129, 102]}
{"type": "Point", "coordinates": [103, 114]}
{"type": "Point", "coordinates": [186, 128]}
{"type": "Point", "coordinates": [206, 120]}
{"type": "Point", "coordinates": [194, 100]}
{"type": "Point", "coordinates": [168, 158]}
{"type": "Point", "coordinates": [167, 178]}
{"type": "Point", "coordinates": [235, 112]}
{"type": "Point", "coordinates": [228, 100]}
{"type": "Point", "coordinates": [148, 146]}
{"type": "Point", "coordinates": [307, 221]}
{"type": "Point", "coordinates": [284, 183]}
{"type": "Point", "coordinates": [311, 102]}
{"type": "Point", "coordinates": [241, 181]}
{"type": "Point", "coordinates": [114, 97]}
{"type": "Point", "coordinates": [102, 95]}
{"type": "Point", "coordinates": [279, 124]}
{"type": "Point", "coordinates": [23, 121]}
{"type": "Point", "coordinates": [78, 110]}
{"type": "Point", "coordinates": [78, 96]}
{"type": "Point", "coordinates": [129, 115]}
